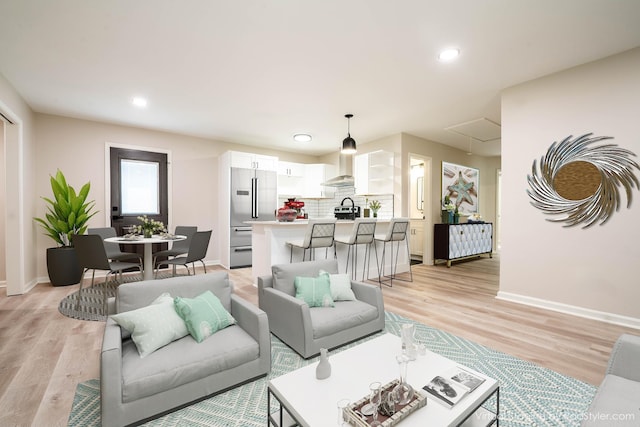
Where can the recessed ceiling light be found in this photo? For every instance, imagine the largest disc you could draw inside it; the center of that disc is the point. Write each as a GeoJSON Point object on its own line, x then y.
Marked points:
{"type": "Point", "coordinates": [302, 137]}
{"type": "Point", "coordinates": [139, 101]}
{"type": "Point", "coordinates": [448, 54]}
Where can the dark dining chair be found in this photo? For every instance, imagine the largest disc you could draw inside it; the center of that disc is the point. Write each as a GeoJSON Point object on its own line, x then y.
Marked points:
{"type": "Point", "coordinates": [179, 247]}
{"type": "Point", "coordinates": [92, 255]}
{"type": "Point", "coordinates": [197, 251]}
{"type": "Point", "coordinates": [113, 249]}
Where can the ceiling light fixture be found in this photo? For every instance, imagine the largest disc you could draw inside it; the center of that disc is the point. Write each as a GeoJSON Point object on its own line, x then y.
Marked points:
{"type": "Point", "coordinates": [348, 144]}
{"type": "Point", "coordinates": [302, 137]}
{"type": "Point", "coordinates": [448, 54]}
{"type": "Point", "coordinates": [139, 101]}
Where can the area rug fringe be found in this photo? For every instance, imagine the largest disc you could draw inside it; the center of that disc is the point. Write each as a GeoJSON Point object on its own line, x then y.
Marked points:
{"type": "Point", "coordinates": [530, 395]}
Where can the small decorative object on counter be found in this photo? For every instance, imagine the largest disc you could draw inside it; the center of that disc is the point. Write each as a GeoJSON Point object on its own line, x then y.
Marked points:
{"type": "Point", "coordinates": [456, 216]}
{"type": "Point", "coordinates": [286, 214]}
{"type": "Point", "coordinates": [375, 207]}
{"type": "Point", "coordinates": [297, 205]}
{"type": "Point", "coordinates": [323, 369]}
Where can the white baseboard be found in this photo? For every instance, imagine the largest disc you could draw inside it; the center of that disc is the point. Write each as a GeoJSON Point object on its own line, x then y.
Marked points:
{"type": "Point", "coordinates": [615, 319]}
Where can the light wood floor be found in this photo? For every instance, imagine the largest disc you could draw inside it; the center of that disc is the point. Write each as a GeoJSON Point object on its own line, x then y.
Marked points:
{"type": "Point", "coordinates": [43, 355]}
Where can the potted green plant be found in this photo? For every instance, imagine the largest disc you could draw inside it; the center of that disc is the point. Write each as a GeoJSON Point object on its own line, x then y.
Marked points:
{"type": "Point", "coordinates": [375, 207]}
{"type": "Point", "coordinates": [67, 214]}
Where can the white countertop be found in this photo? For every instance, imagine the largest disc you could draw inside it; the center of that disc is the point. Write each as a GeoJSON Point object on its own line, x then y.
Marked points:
{"type": "Point", "coordinates": [306, 221]}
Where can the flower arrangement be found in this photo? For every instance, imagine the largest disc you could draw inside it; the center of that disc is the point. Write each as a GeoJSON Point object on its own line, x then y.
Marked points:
{"type": "Point", "coordinates": [375, 206]}
{"type": "Point", "coordinates": [149, 226]}
{"type": "Point", "coordinates": [447, 205]}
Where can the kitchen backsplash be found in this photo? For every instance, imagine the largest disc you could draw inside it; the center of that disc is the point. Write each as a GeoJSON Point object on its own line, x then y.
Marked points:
{"type": "Point", "coordinates": [323, 208]}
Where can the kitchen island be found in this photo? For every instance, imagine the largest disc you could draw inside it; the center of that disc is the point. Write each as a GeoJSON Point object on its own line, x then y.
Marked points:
{"type": "Point", "coordinates": [269, 247]}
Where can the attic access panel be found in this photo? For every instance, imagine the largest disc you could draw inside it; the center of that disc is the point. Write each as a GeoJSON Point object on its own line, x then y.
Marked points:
{"type": "Point", "coordinates": [482, 129]}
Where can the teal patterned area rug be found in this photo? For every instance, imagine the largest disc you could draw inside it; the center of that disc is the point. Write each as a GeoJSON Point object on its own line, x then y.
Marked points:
{"type": "Point", "coordinates": [529, 394]}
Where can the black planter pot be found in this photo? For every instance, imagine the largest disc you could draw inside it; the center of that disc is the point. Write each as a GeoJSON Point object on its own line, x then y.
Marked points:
{"type": "Point", "coordinates": [63, 267]}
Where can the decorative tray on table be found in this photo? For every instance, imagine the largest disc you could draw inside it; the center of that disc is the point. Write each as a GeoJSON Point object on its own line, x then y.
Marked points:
{"type": "Point", "coordinates": [357, 418]}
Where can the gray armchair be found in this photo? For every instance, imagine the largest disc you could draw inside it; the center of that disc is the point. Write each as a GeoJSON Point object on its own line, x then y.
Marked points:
{"type": "Point", "coordinates": [619, 393]}
{"type": "Point", "coordinates": [306, 330]}
{"type": "Point", "coordinates": [133, 389]}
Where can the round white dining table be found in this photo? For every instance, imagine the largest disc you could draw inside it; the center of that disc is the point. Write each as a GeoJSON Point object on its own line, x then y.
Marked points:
{"type": "Point", "coordinates": [147, 270]}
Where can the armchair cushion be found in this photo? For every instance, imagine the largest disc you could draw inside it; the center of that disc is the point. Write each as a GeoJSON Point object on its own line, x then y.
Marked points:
{"type": "Point", "coordinates": [343, 316]}
{"type": "Point", "coordinates": [315, 291]}
{"type": "Point", "coordinates": [340, 287]}
{"type": "Point", "coordinates": [153, 326]}
{"type": "Point", "coordinates": [204, 315]}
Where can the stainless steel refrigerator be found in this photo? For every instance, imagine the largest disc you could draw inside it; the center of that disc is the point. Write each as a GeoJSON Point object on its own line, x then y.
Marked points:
{"type": "Point", "coordinates": [254, 197]}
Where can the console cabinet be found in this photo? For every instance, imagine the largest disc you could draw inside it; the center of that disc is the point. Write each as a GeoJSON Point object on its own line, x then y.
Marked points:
{"type": "Point", "coordinates": [457, 241]}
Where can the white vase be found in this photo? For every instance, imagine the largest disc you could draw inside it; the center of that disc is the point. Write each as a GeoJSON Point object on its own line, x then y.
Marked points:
{"type": "Point", "coordinates": [323, 370]}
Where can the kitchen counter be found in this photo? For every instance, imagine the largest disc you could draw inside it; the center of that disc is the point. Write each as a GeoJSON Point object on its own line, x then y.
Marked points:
{"type": "Point", "coordinates": [269, 246]}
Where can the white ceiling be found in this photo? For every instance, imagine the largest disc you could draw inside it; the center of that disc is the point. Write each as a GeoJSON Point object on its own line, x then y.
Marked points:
{"type": "Point", "coordinates": [256, 71]}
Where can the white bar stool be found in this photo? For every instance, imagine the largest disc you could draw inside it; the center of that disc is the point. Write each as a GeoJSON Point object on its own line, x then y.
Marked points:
{"type": "Point", "coordinates": [362, 233]}
{"type": "Point", "coordinates": [397, 232]}
{"type": "Point", "coordinates": [320, 234]}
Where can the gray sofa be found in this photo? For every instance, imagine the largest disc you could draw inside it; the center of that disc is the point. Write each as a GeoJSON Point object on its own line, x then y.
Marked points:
{"type": "Point", "coordinates": [133, 389]}
{"type": "Point", "coordinates": [307, 330]}
{"type": "Point", "coordinates": [617, 401]}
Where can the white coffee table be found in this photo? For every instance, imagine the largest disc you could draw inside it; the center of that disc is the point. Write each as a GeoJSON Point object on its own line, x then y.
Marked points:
{"type": "Point", "coordinates": [307, 401]}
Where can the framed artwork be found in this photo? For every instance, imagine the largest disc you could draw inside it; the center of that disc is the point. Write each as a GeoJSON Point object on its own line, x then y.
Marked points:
{"type": "Point", "coordinates": [461, 184]}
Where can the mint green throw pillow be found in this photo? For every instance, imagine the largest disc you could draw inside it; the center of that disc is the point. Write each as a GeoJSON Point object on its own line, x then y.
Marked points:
{"type": "Point", "coordinates": [315, 291]}
{"type": "Point", "coordinates": [204, 315]}
{"type": "Point", "coordinates": [153, 326]}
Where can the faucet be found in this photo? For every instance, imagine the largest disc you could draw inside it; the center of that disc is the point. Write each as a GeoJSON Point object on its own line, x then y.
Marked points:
{"type": "Point", "coordinates": [353, 207]}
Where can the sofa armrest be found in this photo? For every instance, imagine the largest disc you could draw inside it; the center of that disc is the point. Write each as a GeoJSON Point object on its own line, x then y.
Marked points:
{"type": "Point", "coordinates": [289, 318]}
{"type": "Point", "coordinates": [111, 373]}
{"type": "Point", "coordinates": [256, 323]}
{"type": "Point", "coordinates": [264, 282]}
{"type": "Point", "coordinates": [368, 293]}
{"type": "Point", "coordinates": [250, 318]}
{"type": "Point", "coordinates": [625, 358]}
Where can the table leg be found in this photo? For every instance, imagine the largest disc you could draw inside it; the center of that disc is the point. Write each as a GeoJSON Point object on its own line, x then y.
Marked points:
{"type": "Point", "coordinates": [147, 272]}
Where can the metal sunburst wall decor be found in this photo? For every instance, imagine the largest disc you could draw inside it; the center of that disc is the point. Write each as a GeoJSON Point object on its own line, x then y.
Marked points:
{"type": "Point", "coordinates": [582, 182]}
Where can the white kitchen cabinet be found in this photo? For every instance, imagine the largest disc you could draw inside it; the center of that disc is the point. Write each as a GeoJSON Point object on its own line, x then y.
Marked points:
{"type": "Point", "coordinates": [291, 179]}
{"type": "Point", "coordinates": [241, 159]}
{"type": "Point", "coordinates": [416, 232]}
{"type": "Point", "coordinates": [374, 173]}
{"type": "Point", "coordinates": [291, 169]}
{"type": "Point", "coordinates": [315, 175]}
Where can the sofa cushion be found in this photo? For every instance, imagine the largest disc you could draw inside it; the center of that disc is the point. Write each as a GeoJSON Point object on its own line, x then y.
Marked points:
{"type": "Point", "coordinates": [184, 361]}
{"type": "Point", "coordinates": [344, 315]}
{"type": "Point", "coordinates": [204, 315]}
{"type": "Point", "coordinates": [153, 326]}
{"type": "Point", "coordinates": [615, 396]}
{"type": "Point", "coordinates": [285, 274]}
{"type": "Point", "coordinates": [315, 291]}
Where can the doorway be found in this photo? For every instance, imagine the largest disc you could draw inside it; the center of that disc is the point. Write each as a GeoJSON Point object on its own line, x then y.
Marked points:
{"type": "Point", "coordinates": [139, 186]}
{"type": "Point", "coordinates": [419, 209]}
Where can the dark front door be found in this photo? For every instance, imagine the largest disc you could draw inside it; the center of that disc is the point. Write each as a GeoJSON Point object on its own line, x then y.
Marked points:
{"type": "Point", "coordinates": [138, 187]}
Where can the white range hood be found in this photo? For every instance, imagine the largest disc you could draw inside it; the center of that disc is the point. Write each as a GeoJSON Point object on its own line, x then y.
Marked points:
{"type": "Point", "coordinates": [345, 173]}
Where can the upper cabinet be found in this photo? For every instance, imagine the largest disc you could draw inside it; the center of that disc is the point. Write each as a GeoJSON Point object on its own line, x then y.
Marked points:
{"type": "Point", "coordinates": [304, 180]}
{"type": "Point", "coordinates": [241, 159]}
{"type": "Point", "coordinates": [315, 175]}
{"type": "Point", "coordinates": [373, 172]}
{"type": "Point", "coordinates": [291, 169]}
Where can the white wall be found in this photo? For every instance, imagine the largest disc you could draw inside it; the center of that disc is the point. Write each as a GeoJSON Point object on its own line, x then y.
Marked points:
{"type": "Point", "coordinates": [592, 272]}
